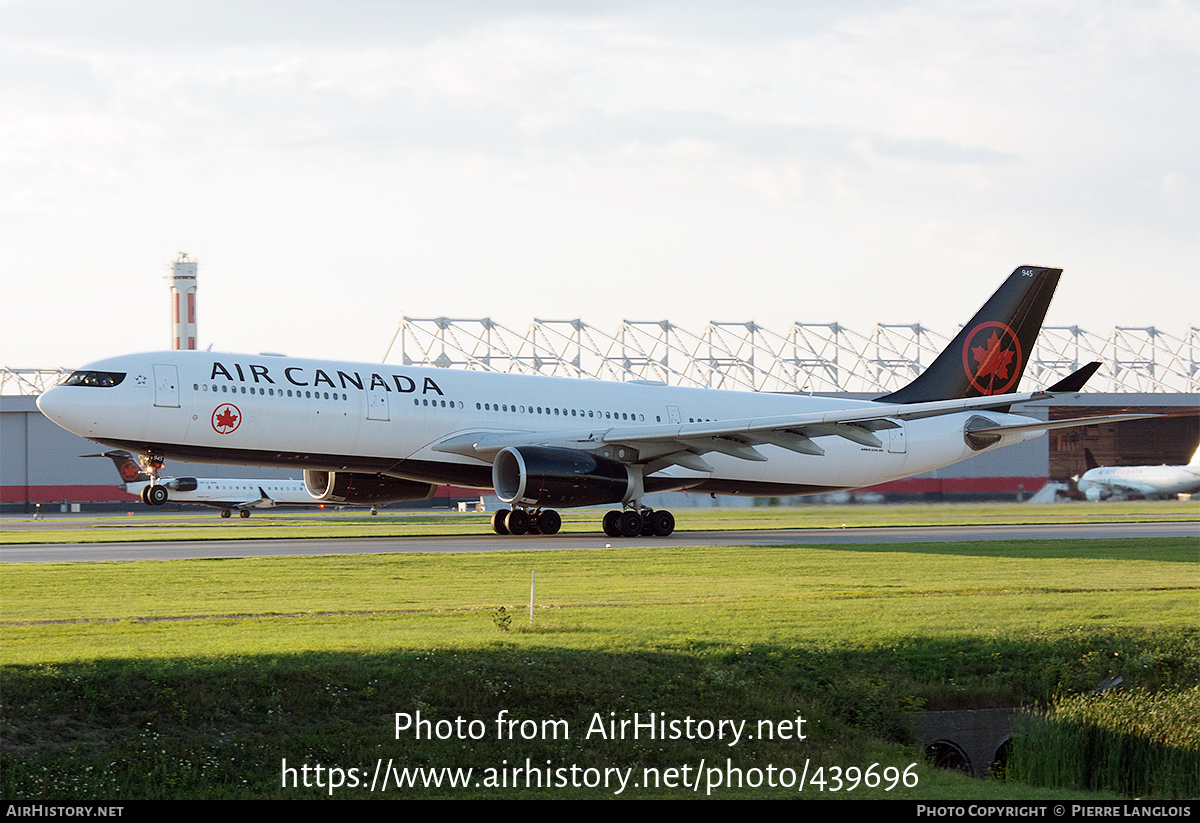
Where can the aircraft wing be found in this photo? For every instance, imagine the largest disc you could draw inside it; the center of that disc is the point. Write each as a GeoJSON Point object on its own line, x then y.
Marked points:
{"type": "Point", "coordinates": [263, 502]}
{"type": "Point", "coordinates": [683, 443]}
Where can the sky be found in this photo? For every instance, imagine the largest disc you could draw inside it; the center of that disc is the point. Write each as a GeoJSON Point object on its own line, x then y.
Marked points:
{"type": "Point", "coordinates": [334, 166]}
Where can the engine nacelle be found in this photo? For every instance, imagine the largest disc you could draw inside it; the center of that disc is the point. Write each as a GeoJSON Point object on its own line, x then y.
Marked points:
{"type": "Point", "coordinates": [363, 489]}
{"type": "Point", "coordinates": [1096, 492]}
{"type": "Point", "coordinates": [546, 476]}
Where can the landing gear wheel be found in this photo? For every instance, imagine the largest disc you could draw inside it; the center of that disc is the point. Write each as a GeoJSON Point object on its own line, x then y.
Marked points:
{"type": "Point", "coordinates": [146, 497]}
{"type": "Point", "coordinates": [612, 523]}
{"type": "Point", "coordinates": [224, 512]}
{"type": "Point", "coordinates": [156, 495]}
{"type": "Point", "coordinates": [630, 524]}
{"type": "Point", "coordinates": [662, 522]}
{"type": "Point", "coordinates": [549, 521]}
{"type": "Point", "coordinates": [517, 522]}
{"type": "Point", "coordinates": [244, 513]}
{"type": "Point", "coordinates": [498, 517]}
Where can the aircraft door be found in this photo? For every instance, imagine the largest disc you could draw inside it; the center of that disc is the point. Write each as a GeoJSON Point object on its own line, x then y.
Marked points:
{"type": "Point", "coordinates": [166, 386]}
{"type": "Point", "coordinates": [673, 414]}
{"type": "Point", "coordinates": [898, 443]}
{"type": "Point", "coordinates": [377, 405]}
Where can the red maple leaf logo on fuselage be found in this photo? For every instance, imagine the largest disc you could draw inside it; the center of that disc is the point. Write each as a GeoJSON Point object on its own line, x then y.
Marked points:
{"type": "Point", "coordinates": [226, 418]}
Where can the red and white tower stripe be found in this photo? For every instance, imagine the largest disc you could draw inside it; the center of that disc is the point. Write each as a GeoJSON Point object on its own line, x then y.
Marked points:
{"type": "Point", "coordinates": [183, 303]}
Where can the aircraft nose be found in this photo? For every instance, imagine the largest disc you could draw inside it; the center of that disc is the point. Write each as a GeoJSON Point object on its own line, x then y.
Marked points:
{"type": "Point", "coordinates": [49, 403]}
{"type": "Point", "coordinates": [55, 404]}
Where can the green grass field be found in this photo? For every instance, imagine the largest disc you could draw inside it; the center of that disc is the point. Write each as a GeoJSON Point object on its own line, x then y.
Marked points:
{"type": "Point", "coordinates": [198, 678]}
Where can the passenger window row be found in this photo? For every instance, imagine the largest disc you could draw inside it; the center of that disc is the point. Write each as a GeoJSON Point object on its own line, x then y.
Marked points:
{"type": "Point", "coordinates": [436, 402]}
{"type": "Point", "coordinates": [559, 412]}
{"type": "Point", "coordinates": [270, 392]}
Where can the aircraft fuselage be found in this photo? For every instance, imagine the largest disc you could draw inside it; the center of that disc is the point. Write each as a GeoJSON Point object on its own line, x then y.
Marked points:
{"type": "Point", "coordinates": [370, 418]}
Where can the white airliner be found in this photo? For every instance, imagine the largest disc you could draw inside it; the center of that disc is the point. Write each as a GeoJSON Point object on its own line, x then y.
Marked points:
{"type": "Point", "coordinates": [227, 494]}
{"type": "Point", "coordinates": [371, 434]}
{"type": "Point", "coordinates": [1121, 482]}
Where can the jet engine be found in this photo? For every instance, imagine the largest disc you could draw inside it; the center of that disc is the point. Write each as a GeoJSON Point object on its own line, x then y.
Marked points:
{"type": "Point", "coordinates": [363, 489]}
{"type": "Point", "coordinates": [546, 476]}
{"type": "Point", "coordinates": [1096, 492]}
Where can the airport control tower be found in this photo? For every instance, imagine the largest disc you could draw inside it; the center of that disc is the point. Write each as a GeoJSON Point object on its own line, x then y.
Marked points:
{"type": "Point", "coordinates": [183, 303]}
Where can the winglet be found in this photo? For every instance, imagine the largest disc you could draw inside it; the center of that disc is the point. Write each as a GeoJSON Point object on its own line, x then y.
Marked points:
{"type": "Point", "coordinates": [1075, 381]}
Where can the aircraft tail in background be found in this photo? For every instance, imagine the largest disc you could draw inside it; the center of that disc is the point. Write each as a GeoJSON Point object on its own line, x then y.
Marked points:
{"type": "Point", "coordinates": [127, 467]}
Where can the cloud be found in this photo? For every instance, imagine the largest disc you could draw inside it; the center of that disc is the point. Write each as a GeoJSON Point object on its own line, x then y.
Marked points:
{"type": "Point", "coordinates": [513, 141]}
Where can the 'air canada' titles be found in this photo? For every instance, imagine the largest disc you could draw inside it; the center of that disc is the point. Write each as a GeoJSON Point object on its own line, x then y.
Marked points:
{"type": "Point", "coordinates": [302, 376]}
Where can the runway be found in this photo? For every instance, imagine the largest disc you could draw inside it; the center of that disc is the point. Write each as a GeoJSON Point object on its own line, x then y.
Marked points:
{"type": "Point", "coordinates": [200, 549]}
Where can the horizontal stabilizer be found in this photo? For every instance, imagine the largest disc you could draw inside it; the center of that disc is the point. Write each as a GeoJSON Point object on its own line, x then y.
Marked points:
{"type": "Point", "coordinates": [1062, 424]}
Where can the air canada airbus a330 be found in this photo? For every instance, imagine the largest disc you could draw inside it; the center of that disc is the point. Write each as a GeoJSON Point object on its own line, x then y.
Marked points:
{"type": "Point", "coordinates": [373, 434]}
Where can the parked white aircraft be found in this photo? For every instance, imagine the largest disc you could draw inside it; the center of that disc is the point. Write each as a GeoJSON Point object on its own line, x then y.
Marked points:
{"type": "Point", "coordinates": [1121, 482]}
{"type": "Point", "coordinates": [372, 434]}
{"type": "Point", "coordinates": [228, 494]}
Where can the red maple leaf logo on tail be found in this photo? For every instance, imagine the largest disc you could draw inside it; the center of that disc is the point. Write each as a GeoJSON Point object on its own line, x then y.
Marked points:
{"type": "Point", "coordinates": [992, 359]}
{"type": "Point", "coordinates": [994, 366]}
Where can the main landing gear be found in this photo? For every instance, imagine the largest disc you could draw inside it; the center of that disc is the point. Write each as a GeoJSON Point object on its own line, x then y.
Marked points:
{"type": "Point", "coordinates": [626, 523]}
{"type": "Point", "coordinates": [639, 523]}
{"type": "Point", "coordinates": [520, 521]}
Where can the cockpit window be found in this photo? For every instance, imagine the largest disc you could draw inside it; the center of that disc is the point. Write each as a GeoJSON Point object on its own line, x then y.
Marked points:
{"type": "Point", "coordinates": [103, 379]}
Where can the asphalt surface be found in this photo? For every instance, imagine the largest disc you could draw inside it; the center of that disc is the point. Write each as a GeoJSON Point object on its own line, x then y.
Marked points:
{"type": "Point", "coordinates": [196, 549]}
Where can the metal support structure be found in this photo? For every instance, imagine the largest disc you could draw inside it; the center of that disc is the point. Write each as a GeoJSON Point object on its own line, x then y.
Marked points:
{"type": "Point", "coordinates": [808, 357]}
{"type": "Point", "coordinates": [29, 382]}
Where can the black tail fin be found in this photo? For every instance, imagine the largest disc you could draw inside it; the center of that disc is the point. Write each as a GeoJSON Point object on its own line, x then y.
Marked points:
{"type": "Point", "coordinates": [989, 354]}
{"type": "Point", "coordinates": [1089, 460]}
{"type": "Point", "coordinates": [127, 467]}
